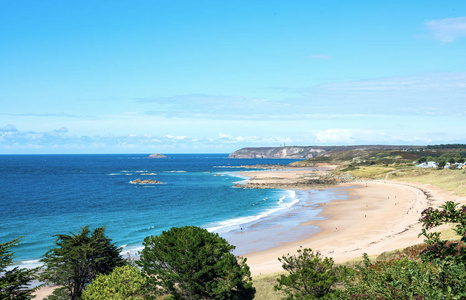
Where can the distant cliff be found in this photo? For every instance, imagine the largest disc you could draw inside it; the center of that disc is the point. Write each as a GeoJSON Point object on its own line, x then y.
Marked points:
{"type": "Point", "coordinates": [278, 152]}
{"type": "Point", "coordinates": [306, 152]}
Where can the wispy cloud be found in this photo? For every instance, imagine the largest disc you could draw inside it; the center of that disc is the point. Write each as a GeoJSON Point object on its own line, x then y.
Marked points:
{"type": "Point", "coordinates": [447, 30]}
{"type": "Point", "coordinates": [58, 141]}
{"type": "Point", "coordinates": [46, 115]}
{"type": "Point", "coordinates": [439, 94]}
{"type": "Point", "coordinates": [61, 130]}
{"type": "Point", "coordinates": [15, 141]}
{"type": "Point", "coordinates": [430, 94]}
{"type": "Point", "coordinates": [9, 128]}
{"type": "Point", "coordinates": [351, 136]}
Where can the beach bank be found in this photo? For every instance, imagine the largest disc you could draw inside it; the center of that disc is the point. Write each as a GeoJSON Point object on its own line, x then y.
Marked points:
{"type": "Point", "coordinates": [378, 216]}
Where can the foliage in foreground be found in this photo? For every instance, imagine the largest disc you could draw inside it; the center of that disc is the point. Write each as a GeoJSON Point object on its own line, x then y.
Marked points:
{"type": "Point", "coordinates": [406, 279]}
{"type": "Point", "coordinates": [310, 275]}
{"type": "Point", "coordinates": [441, 274]}
{"type": "Point", "coordinates": [192, 263]}
{"type": "Point", "coordinates": [124, 283]}
{"type": "Point", "coordinates": [436, 247]}
{"type": "Point", "coordinates": [14, 283]}
{"type": "Point", "coordinates": [77, 259]}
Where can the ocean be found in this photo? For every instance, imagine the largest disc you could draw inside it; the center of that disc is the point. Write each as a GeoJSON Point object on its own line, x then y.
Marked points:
{"type": "Point", "coordinates": [44, 195]}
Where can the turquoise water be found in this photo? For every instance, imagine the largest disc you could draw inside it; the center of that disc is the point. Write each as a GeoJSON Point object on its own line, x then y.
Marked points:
{"type": "Point", "coordinates": [43, 195]}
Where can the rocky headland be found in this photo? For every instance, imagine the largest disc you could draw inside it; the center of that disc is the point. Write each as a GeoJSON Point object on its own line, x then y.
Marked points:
{"type": "Point", "coordinates": [294, 178]}
{"type": "Point", "coordinates": [278, 152]}
{"type": "Point", "coordinates": [309, 152]}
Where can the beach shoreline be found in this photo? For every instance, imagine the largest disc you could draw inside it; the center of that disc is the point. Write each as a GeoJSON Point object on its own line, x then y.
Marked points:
{"type": "Point", "coordinates": [378, 216]}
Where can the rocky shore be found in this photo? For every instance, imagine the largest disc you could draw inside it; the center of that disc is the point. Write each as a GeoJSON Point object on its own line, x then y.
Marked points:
{"type": "Point", "coordinates": [293, 178]}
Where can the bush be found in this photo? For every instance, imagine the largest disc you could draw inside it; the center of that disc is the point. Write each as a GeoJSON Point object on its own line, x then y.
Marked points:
{"type": "Point", "coordinates": [123, 283]}
{"type": "Point", "coordinates": [406, 279]}
{"type": "Point", "coordinates": [310, 275]}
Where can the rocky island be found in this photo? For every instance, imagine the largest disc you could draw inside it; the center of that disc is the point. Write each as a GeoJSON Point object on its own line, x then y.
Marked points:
{"type": "Point", "coordinates": [157, 155]}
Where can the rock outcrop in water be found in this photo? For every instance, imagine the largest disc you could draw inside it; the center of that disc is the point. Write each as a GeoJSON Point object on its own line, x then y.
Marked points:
{"type": "Point", "coordinates": [146, 181]}
{"type": "Point", "coordinates": [157, 155]}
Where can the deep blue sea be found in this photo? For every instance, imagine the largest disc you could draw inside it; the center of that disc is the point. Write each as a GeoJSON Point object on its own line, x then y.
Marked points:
{"type": "Point", "coordinates": [43, 195]}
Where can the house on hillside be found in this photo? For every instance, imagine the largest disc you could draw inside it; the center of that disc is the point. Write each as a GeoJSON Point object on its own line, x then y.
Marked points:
{"type": "Point", "coordinates": [428, 164]}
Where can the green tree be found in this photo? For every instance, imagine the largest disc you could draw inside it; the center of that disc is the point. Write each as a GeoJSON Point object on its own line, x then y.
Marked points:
{"type": "Point", "coordinates": [441, 164]}
{"type": "Point", "coordinates": [14, 282]}
{"type": "Point", "coordinates": [192, 263]}
{"type": "Point", "coordinates": [310, 275]}
{"type": "Point", "coordinates": [124, 283]}
{"type": "Point", "coordinates": [77, 259]}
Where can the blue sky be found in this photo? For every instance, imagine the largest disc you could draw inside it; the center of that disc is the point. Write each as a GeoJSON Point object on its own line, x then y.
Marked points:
{"type": "Point", "coordinates": [216, 76]}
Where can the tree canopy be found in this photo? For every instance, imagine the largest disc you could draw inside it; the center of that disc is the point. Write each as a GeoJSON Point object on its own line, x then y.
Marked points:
{"type": "Point", "coordinates": [77, 259]}
{"type": "Point", "coordinates": [192, 263]}
{"type": "Point", "coordinates": [14, 282]}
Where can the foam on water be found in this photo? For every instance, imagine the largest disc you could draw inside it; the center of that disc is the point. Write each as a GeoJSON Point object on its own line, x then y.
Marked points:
{"type": "Point", "coordinates": [67, 192]}
{"type": "Point", "coordinates": [240, 222]}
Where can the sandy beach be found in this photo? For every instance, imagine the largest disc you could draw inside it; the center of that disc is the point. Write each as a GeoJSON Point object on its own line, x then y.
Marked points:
{"type": "Point", "coordinates": [378, 216]}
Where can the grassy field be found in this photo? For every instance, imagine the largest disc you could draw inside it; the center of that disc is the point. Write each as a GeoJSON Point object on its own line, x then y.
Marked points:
{"type": "Point", "coordinates": [264, 287]}
{"type": "Point", "coordinates": [450, 180]}
{"type": "Point", "coordinates": [368, 172]}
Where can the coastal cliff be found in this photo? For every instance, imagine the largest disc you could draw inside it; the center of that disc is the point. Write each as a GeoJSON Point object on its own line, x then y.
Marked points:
{"type": "Point", "coordinates": [295, 152]}
{"type": "Point", "coordinates": [309, 152]}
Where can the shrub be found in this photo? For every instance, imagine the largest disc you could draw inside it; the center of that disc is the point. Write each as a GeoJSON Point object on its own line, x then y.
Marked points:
{"type": "Point", "coordinates": [125, 282]}
{"type": "Point", "coordinates": [310, 275]}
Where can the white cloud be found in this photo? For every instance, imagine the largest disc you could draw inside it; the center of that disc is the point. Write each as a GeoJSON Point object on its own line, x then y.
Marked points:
{"type": "Point", "coordinates": [335, 136]}
{"type": "Point", "coordinates": [176, 138]}
{"type": "Point", "coordinates": [61, 130]}
{"type": "Point", "coordinates": [447, 30]}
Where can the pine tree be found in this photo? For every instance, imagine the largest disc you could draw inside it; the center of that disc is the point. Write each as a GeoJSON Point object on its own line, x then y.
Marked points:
{"type": "Point", "coordinates": [77, 259]}
{"type": "Point", "coordinates": [14, 282]}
